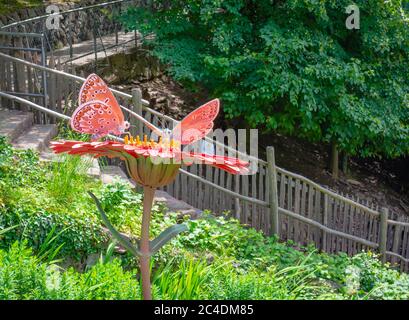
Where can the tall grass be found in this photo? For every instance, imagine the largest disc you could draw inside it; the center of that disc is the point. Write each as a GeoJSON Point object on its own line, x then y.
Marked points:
{"type": "Point", "coordinates": [181, 280]}
{"type": "Point", "coordinates": [68, 176]}
{"type": "Point", "coordinates": [50, 247]}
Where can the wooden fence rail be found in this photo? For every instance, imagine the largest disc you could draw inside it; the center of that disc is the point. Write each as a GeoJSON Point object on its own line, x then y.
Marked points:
{"type": "Point", "coordinates": [272, 200]}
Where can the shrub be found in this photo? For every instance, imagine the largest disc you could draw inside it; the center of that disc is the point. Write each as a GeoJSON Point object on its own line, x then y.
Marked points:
{"type": "Point", "coordinates": [378, 281]}
{"type": "Point", "coordinates": [17, 168]}
{"type": "Point", "coordinates": [40, 197]}
{"type": "Point", "coordinates": [296, 282]}
{"type": "Point", "coordinates": [79, 236]}
{"type": "Point", "coordinates": [23, 276]}
{"type": "Point", "coordinates": [226, 236]}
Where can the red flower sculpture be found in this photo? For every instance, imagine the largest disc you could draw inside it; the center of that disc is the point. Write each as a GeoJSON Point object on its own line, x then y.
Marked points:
{"type": "Point", "coordinates": [149, 163]}
{"type": "Point", "coordinates": [152, 165]}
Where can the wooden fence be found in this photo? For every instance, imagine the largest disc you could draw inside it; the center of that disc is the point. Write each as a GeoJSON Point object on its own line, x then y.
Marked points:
{"type": "Point", "coordinates": [273, 200]}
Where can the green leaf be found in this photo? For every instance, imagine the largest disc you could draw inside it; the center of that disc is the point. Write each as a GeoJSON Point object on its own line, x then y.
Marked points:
{"type": "Point", "coordinates": [166, 236]}
{"type": "Point", "coordinates": [121, 239]}
{"type": "Point", "coordinates": [3, 231]}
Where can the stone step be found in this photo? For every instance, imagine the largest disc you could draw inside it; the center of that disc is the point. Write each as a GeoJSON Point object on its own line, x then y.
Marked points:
{"type": "Point", "coordinates": [13, 123]}
{"type": "Point", "coordinates": [36, 138]}
{"type": "Point", "coordinates": [94, 170]}
{"type": "Point", "coordinates": [175, 205]}
{"type": "Point", "coordinates": [110, 174]}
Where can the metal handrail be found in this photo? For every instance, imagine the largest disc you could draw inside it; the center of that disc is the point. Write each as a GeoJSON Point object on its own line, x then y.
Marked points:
{"type": "Point", "coordinates": [73, 77]}
{"type": "Point", "coordinates": [21, 34]}
{"type": "Point", "coordinates": [34, 105]}
{"type": "Point", "coordinates": [99, 50]}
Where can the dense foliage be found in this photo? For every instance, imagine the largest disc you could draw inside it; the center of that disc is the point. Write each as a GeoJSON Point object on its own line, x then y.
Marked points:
{"type": "Point", "coordinates": [7, 6]}
{"type": "Point", "coordinates": [293, 66]}
{"type": "Point", "coordinates": [24, 276]}
{"type": "Point", "coordinates": [50, 249]}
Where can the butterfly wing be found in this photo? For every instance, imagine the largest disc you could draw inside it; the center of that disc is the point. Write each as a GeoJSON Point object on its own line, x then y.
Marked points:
{"type": "Point", "coordinates": [197, 124]}
{"type": "Point", "coordinates": [96, 118]}
{"type": "Point", "coordinates": [95, 89]}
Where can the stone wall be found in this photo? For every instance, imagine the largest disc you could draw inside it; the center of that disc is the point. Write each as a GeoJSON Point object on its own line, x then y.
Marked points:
{"type": "Point", "coordinates": [81, 23]}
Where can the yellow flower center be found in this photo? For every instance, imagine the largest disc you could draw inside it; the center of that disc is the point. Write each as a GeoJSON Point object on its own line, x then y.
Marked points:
{"type": "Point", "coordinates": [136, 141]}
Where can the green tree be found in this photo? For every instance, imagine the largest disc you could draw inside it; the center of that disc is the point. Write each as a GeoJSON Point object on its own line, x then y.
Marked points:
{"type": "Point", "coordinates": [293, 66]}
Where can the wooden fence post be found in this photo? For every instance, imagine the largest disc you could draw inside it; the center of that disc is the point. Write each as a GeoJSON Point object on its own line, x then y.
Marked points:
{"type": "Point", "coordinates": [383, 231]}
{"type": "Point", "coordinates": [325, 223]}
{"type": "Point", "coordinates": [137, 104]}
{"type": "Point", "coordinates": [273, 195]}
{"type": "Point", "coordinates": [396, 241]}
{"type": "Point", "coordinates": [334, 160]}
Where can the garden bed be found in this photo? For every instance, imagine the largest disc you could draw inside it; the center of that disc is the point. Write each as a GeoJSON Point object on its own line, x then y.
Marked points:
{"type": "Point", "coordinates": [53, 246]}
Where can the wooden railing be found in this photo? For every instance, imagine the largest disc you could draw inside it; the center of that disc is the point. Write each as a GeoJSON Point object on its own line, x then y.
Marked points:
{"type": "Point", "coordinates": [272, 200]}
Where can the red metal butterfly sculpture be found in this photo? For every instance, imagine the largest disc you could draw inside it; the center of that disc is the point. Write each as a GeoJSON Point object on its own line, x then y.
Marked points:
{"type": "Point", "coordinates": [100, 114]}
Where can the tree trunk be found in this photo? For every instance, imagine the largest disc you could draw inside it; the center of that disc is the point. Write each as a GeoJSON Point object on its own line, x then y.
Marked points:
{"type": "Point", "coordinates": [334, 161]}
{"type": "Point", "coordinates": [345, 160]}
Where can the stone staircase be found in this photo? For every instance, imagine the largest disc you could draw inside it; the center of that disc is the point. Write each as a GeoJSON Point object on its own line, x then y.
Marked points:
{"type": "Point", "coordinates": [19, 129]}
{"type": "Point", "coordinates": [22, 133]}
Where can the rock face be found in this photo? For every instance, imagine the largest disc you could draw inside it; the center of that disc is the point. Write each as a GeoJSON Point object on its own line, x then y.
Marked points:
{"type": "Point", "coordinates": [139, 65]}
{"type": "Point", "coordinates": [77, 26]}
